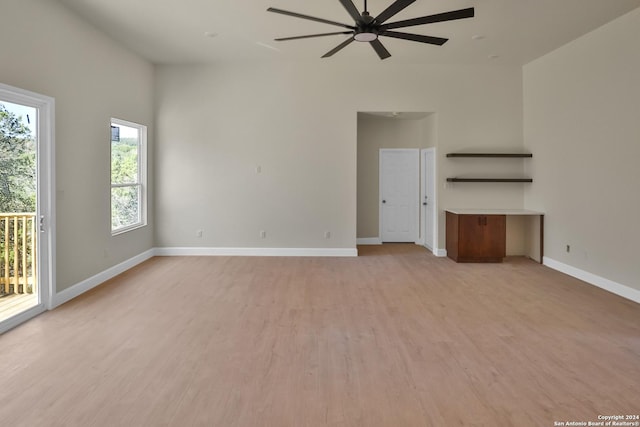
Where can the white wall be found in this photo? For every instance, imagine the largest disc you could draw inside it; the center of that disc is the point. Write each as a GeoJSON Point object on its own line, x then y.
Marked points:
{"type": "Point", "coordinates": [216, 124]}
{"type": "Point", "coordinates": [48, 50]}
{"type": "Point", "coordinates": [582, 122]}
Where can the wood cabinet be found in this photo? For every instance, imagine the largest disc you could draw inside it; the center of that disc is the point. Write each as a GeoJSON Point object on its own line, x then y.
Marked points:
{"type": "Point", "coordinates": [476, 237]}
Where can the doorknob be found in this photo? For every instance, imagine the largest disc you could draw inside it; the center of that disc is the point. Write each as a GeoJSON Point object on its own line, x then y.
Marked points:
{"type": "Point", "coordinates": [384, 201]}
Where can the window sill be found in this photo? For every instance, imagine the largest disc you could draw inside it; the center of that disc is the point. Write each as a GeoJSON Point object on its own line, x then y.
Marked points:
{"type": "Point", "coordinates": [128, 228]}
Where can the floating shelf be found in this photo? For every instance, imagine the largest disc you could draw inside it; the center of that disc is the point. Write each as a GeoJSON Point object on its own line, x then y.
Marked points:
{"type": "Point", "coordinates": [518, 155]}
{"type": "Point", "coordinates": [491, 155]}
{"type": "Point", "coordinates": [489, 180]}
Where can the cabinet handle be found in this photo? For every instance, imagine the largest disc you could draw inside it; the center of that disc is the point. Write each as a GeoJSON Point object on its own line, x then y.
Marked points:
{"type": "Point", "coordinates": [485, 220]}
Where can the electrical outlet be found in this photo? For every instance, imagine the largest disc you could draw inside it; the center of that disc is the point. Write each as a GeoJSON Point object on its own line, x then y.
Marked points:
{"type": "Point", "coordinates": [263, 234]}
{"type": "Point", "coordinates": [199, 234]}
{"type": "Point", "coordinates": [327, 234]}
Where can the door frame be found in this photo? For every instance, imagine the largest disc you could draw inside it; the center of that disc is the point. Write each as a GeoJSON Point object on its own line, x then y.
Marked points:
{"type": "Point", "coordinates": [417, 195]}
{"type": "Point", "coordinates": [433, 205]}
{"type": "Point", "coordinates": [45, 209]}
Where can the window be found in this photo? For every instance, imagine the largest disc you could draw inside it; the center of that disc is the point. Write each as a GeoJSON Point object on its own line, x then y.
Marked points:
{"type": "Point", "coordinates": [128, 176]}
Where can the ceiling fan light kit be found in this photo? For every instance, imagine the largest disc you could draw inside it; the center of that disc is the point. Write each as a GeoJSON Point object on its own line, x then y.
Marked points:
{"type": "Point", "coordinates": [365, 36]}
{"type": "Point", "coordinates": [369, 29]}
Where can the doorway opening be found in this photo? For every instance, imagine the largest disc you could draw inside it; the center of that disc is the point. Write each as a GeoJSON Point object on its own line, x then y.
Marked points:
{"type": "Point", "coordinates": [380, 132]}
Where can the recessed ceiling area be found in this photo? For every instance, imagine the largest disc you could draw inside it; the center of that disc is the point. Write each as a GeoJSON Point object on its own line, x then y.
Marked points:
{"type": "Point", "coordinates": [400, 115]}
{"type": "Point", "coordinates": [512, 32]}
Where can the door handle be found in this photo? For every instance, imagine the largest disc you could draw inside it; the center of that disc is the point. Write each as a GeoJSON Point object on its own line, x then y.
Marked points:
{"type": "Point", "coordinates": [384, 201]}
{"type": "Point", "coordinates": [42, 223]}
{"type": "Point", "coordinates": [424, 203]}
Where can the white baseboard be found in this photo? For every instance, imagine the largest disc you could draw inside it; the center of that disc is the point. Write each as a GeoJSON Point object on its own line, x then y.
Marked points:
{"type": "Point", "coordinates": [606, 284]}
{"type": "Point", "coordinates": [440, 252]}
{"type": "Point", "coordinates": [90, 283]}
{"type": "Point", "coordinates": [369, 241]}
{"type": "Point", "coordinates": [288, 252]}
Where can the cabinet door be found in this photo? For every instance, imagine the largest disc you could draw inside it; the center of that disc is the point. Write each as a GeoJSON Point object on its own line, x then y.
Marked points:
{"type": "Point", "coordinates": [482, 238]}
{"type": "Point", "coordinates": [472, 236]}
{"type": "Point", "coordinates": [495, 236]}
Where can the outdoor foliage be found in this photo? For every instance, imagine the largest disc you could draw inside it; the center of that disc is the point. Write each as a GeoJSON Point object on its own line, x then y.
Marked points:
{"type": "Point", "coordinates": [17, 165]}
{"type": "Point", "coordinates": [124, 170]}
{"type": "Point", "coordinates": [17, 195]}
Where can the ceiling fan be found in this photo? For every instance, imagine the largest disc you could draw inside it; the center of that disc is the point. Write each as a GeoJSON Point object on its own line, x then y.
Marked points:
{"type": "Point", "coordinates": [368, 29]}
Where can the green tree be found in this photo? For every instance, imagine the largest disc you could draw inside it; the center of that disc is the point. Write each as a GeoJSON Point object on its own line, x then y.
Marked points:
{"type": "Point", "coordinates": [124, 170]}
{"type": "Point", "coordinates": [17, 164]}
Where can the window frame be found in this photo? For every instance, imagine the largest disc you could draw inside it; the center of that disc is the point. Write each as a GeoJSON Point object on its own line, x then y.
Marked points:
{"type": "Point", "coordinates": [141, 182]}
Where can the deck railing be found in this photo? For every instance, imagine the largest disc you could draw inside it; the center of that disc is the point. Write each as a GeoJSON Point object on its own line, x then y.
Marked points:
{"type": "Point", "coordinates": [18, 253]}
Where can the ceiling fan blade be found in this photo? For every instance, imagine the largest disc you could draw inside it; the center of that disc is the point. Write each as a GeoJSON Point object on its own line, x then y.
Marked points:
{"type": "Point", "coordinates": [392, 10]}
{"type": "Point", "coordinates": [311, 18]}
{"type": "Point", "coordinates": [338, 48]}
{"type": "Point", "coordinates": [352, 9]}
{"type": "Point", "coordinates": [382, 52]}
{"type": "Point", "coordinates": [281, 39]}
{"type": "Point", "coordinates": [415, 37]}
{"type": "Point", "coordinates": [440, 17]}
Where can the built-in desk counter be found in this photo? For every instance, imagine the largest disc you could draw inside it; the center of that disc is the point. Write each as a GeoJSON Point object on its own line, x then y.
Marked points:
{"type": "Point", "coordinates": [495, 212]}
{"type": "Point", "coordinates": [488, 235]}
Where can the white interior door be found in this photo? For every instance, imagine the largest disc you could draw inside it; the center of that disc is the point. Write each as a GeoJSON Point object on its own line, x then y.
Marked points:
{"type": "Point", "coordinates": [429, 197]}
{"type": "Point", "coordinates": [399, 194]}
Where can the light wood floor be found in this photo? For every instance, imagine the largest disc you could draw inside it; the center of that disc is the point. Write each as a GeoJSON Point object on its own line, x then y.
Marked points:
{"type": "Point", "coordinates": [395, 337]}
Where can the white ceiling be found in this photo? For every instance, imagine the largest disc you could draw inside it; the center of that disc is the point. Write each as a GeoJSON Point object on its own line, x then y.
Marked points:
{"type": "Point", "coordinates": [518, 31]}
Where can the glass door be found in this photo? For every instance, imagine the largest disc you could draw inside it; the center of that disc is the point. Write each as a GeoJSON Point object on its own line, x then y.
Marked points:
{"type": "Point", "coordinates": [23, 234]}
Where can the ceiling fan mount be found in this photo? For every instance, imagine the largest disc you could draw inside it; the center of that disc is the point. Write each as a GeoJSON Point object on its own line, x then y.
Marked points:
{"type": "Point", "coordinates": [367, 18]}
{"type": "Point", "coordinates": [367, 28]}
